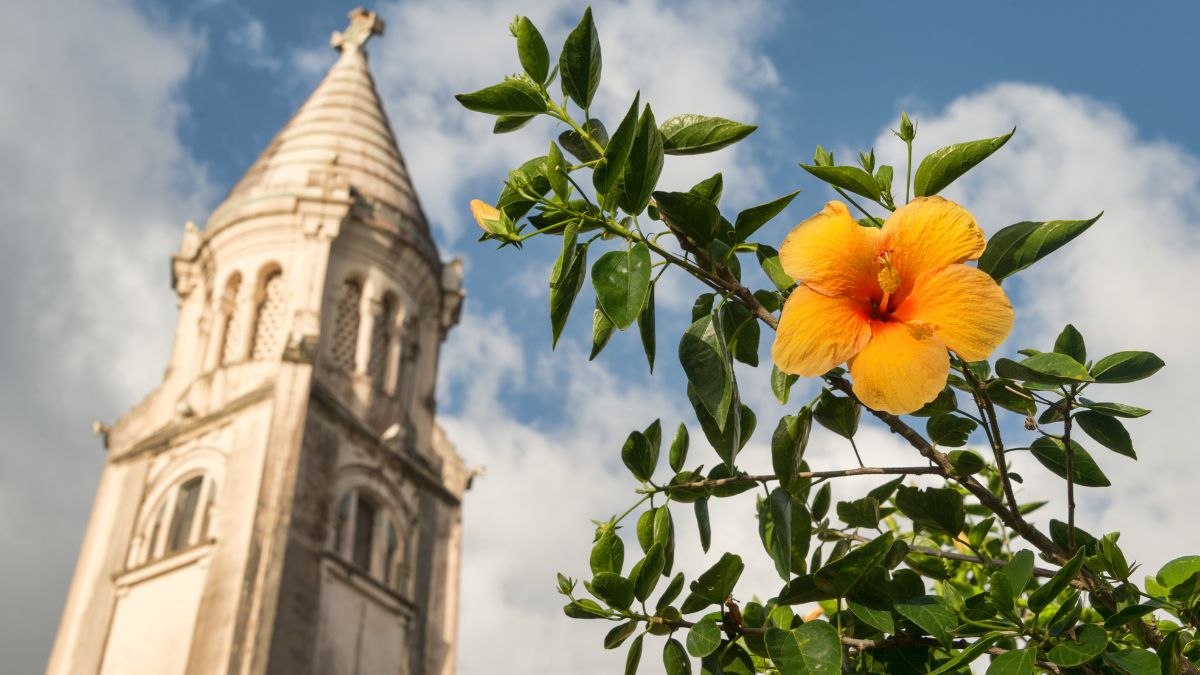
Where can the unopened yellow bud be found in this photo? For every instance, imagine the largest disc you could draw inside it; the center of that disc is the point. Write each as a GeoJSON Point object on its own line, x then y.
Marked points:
{"type": "Point", "coordinates": [487, 216]}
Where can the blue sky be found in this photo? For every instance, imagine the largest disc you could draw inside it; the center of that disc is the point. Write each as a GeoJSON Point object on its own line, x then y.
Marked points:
{"type": "Point", "coordinates": [136, 116]}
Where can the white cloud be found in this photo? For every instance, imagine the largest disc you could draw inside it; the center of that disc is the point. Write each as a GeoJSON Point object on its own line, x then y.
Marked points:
{"type": "Point", "coordinates": [1124, 283]}
{"type": "Point", "coordinates": [95, 186]}
{"type": "Point", "coordinates": [250, 36]}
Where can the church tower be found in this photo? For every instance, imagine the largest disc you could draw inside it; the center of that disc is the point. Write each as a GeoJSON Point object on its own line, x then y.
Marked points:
{"type": "Point", "coordinates": [284, 502]}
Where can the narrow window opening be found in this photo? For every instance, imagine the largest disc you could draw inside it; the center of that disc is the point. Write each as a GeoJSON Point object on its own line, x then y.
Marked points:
{"type": "Point", "coordinates": [185, 511]}
{"type": "Point", "coordinates": [364, 533]}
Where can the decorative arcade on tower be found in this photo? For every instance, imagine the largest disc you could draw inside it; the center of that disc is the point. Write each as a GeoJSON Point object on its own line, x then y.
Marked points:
{"type": "Point", "coordinates": [285, 502]}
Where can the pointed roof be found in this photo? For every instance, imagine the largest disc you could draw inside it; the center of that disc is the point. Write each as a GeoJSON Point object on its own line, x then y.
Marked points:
{"type": "Point", "coordinates": [342, 126]}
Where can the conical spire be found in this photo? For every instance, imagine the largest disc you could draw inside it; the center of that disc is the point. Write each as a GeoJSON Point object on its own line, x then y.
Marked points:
{"type": "Point", "coordinates": [342, 130]}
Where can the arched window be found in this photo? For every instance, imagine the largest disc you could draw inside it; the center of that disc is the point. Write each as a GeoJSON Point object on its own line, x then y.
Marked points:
{"type": "Point", "coordinates": [189, 506]}
{"type": "Point", "coordinates": [233, 320]}
{"type": "Point", "coordinates": [381, 340]}
{"type": "Point", "coordinates": [269, 318]}
{"type": "Point", "coordinates": [345, 329]}
{"type": "Point", "coordinates": [367, 534]}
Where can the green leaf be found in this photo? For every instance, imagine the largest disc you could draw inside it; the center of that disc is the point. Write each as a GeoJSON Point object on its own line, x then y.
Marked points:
{"type": "Point", "coordinates": [841, 576]}
{"type": "Point", "coordinates": [950, 431]}
{"type": "Point", "coordinates": [602, 330]}
{"type": "Point", "coordinates": [849, 178]}
{"type": "Point", "coordinates": [1044, 368]}
{"type": "Point", "coordinates": [634, 657]}
{"type": "Point", "coordinates": [703, 637]}
{"type": "Point", "coordinates": [675, 658]}
{"type": "Point", "coordinates": [1049, 591]}
{"type": "Point", "coordinates": [1018, 246]}
{"type": "Point", "coordinates": [1019, 571]}
{"type": "Point", "coordinates": [644, 165]}
{"type": "Point", "coordinates": [1084, 540]}
{"type": "Point", "coordinates": [696, 217]}
{"type": "Point", "coordinates": [1134, 661]}
{"type": "Point", "coordinates": [613, 589]}
{"type": "Point", "coordinates": [579, 64]}
{"type": "Point", "coordinates": [510, 97]}
{"type": "Point", "coordinates": [649, 569]}
{"type": "Point", "coordinates": [1011, 396]}
{"type": "Point", "coordinates": [860, 512]}
{"type": "Point", "coordinates": [928, 613]}
{"type": "Point", "coordinates": [679, 448]}
{"type": "Point", "coordinates": [874, 612]}
{"type": "Point", "coordinates": [1053, 455]}
{"type": "Point", "coordinates": [696, 134]}
{"type": "Point", "coordinates": [742, 332]}
{"type": "Point", "coordinates": [1115, 409]}
{"type": "Point", "coordinates": [532, 177]}
{"type": "Point", "coordinates": [820, 502]}
{"type": "Point", "coordinates": [838, 414]}
{"type": "Point", "coordinates": [775, 529]}
{"type": "Point", "coordinates": [608, 554]}
{"type": "Point", "coordinates": [966, 656]}
{"type": "Point", "coordinates": [508, 123]}
{"type": "Point", "coordinates": [802, 527]}
{"type": "Point", "coordinates": [717, 582]}
{"type": "Point", "coordinates": [1014, 662]}
{"type": "Point", "coordinates": [710, 188]}
{"type": "Point", "coordinates": [729, 439]}
{"type": "Point", "coordinates": [702, 354]}
{"type": "Point", "coordinates": [813, 648]}
{"type": "Point", "coordinates": [1107, 431]}
{"type": "Point", "coordinates": [584, 609]}
{"type": "Point", "coordinates": [620, 634]}
{"type": "Point", "coordinates": [768, 259]}
{"type": "Point", "coordinates": [751, 219]}
{"type": "Point", "coordinates": [1070, 342]}
{"type": "Point", "coordinates": [1129, 614]}
{"type": "Point", "coordinates": [645, 323]}
{"type": "Point", "coordinates": [672, 592]}
{"type": "Point", "coordinates": [566, 280]}
{"type": "Point", "coordinates": [616, 152]}
{"type": "Point", "coordinates": [703, 524]}
{"type": "Point", "coordinates": [781, 384]}
{"type": "Point", "coordinates": [945, 403]}
{"type": "Point", "coordinates": [1126, 367]}
{"type": "Point", "coordinates": [939, 509]}
{"type": "Point", "coordinates": [639, 455]}
{"type": "Point", "coordinates": [941, 167]}
{"type": "Point", "coordinates": [1178, 571]}
{"type": "Point", "coordinates": [788, 443]}
{"type": "Point", "coordinates": [531, 49]}
{"type": "Point", "coordinates": [584, 151]}
{"type": "Point", "coordinates": [966, 462]}
{"type": "Point", "coordinates": [622, 282]}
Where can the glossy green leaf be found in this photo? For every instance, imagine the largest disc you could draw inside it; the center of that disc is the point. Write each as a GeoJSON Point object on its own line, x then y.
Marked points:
{"type": "Point", "coordinates": [634, 658]}
{"type": "Point", "coordinates": [608, 554]}
{"type": "Point", "coordinates": [1019, 570]}
{"type": "Point", "coordinates": [775, 529]}
{"type": "Point", "coordinates": [781, 384]}
{"type": "Point", "coordinates": [1053, 455]}
{"type": "Point", "coordinates": [579, 64]}
{"type": "Point", "coordinates": [644, 165]}
{"type": "Point", "coordinates": [1011, 396]}
{"type": "Point", "coordinates": [1115, 409]}
{"type": "Point", "coordinates": [710, 188]}
{"type": "Point", "coordinates": [510, 97]}
{"type": "Point", "coordinates": [1049, 591]}
{"type": "Point", "coordinates": [717, 582]}
{"type": "Point", "coordinates": [620, 634]}
{"type": "Point", "coordinates": [616, 153]}
{"type": "Point", "coordinates": [602, 330]}
{"type": "Point", "coordinates": [742, 332]}
{"type": "Point", "coordinates": [679, 448]}
{"type": "Point", "coordinates": [566, 280]}
{"type": "Point", "coordinates": [703, 637]}
{"type": "Point", "coordinates": [649, 570]}
{"type": "Point", "coordinates": [1083, 539]}
{"type": "Point", "coordinates": [695, 134]}
{"type": "Point", "coordinates": [555, 167]}
{"type": "Point", "coordinates": [577, 145]}
{"type": "Point", "coordinates": [703, 523]}
{"type": "Point", "coordinates": [671, 593]}
{"type": "Point", "coordinates": [1178, 571]}
{"type": "Point", "coordinates": [675, 658]}
{"type": "Point", "coordinates": [728, 439]}
{"type": "Point", "coordinates": [1018, 246]}
{"type": "Point", "coordinates": [702, 354]}
{"type": "Point", "coordinates": [874, 612]}
{"type": "Point", "coordinates": [1129, 614]}
{"type": "Point", "coordinates": [1126, 367]}
{"type": "Point", "coordinates": [1134, 661]}
{"type": "Point", "coordinates": [531, 49]}
{"type": "Point", "coordinates": [622, 283]}
{"type": "Point", "coordinates": [838, 414]}
{"type": "Point", "coordinates": [1044, 368]}
{"type": "Point", "coordinates": [928, 613]}
{"type": "Point", "coordinates": [788, 444]}
{"type": "Point", "coordinates": [1070, 342]}
{"type": "Point", "coordinates": [646, 329]}
{"type": "Point", "coordinates": [950, 431]}
{"type": "Point", "coordinates": [1107, 431]}
{"type": "Point", "coordinates": [509, 123]}
{"type": "Point", "coordinates": [966, 656]}
{"type": "Point", "coordinates": [942, 166]}
{"type": "Point", "coordinates": [939, 509]}
{"type": "Point", "coordinates": [613, 589]}
{"type": "Point", "coordinates": [768, 259]}
{"type": "Point", "coordinates": [840, 577]}
{"type": "Point", "coordinates": [812, 648]}
{"type": "Point", "coordinates": [696, 217]}
{"type": "Point", "coordinates": [531, 176]}
{"type": "Point", "coordinates": [751, 219]}
{"type": "Point", "coordinates": [639, 456]}
{"type": "Point", "coordinates": [966, 462]}
{"type": "Point", "coordinates": [1014, 662]}
{"type": "Point", "coordinates": [820, 502]}
{"type": "Point", "coordinates": [849, 178]}
{"type": "Point", "coordinates": [584, 609]}
{"type": "Point", "coordinates": [863, 512]}
{"type": "Point", "coordinates": [945, 403]}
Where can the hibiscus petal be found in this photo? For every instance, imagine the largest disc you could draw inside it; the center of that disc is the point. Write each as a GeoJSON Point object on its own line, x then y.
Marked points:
{"type": "Point", "coordinates": [832, 254]}
{"type": "Point", "coordinates": [817, 332]}
{"type": "Point", "coordinates": [929, 233]}
{"type": "Point", "coordinates": [964, 306]}
{"type": "Point", "coordinates": [902, 368]}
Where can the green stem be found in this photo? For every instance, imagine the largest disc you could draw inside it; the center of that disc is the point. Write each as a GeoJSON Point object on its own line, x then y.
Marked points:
{"type": "Point", "coordinates": [908, 172]}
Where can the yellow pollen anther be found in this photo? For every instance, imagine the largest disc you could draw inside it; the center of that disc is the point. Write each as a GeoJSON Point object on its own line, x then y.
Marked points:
{"type": "Point", "coordinates": [889, 279]}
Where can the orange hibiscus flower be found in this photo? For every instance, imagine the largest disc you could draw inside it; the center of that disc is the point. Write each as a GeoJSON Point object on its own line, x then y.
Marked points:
{"type": "Point", "coordinates": [889, 301]}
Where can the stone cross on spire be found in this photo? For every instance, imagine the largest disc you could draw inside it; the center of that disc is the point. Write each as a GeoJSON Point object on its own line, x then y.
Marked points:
{"type": "Point", "coordinates": [363, 25]}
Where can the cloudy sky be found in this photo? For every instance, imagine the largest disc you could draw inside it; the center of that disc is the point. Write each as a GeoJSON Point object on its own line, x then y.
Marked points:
{"type": "Point", "coordinates": [120, 120]}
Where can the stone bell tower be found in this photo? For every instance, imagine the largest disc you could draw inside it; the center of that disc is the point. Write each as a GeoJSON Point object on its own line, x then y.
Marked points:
{"type": "Point", "coordinates": [285, 502]}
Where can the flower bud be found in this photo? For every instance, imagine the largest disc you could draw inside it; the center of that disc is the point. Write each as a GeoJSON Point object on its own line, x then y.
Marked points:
{"type": "Point", "coordinates": [908, 130]}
